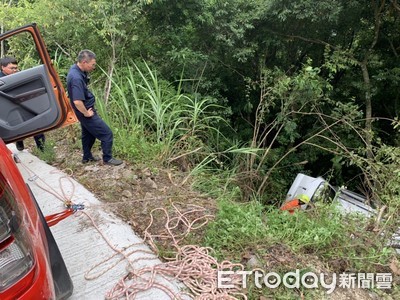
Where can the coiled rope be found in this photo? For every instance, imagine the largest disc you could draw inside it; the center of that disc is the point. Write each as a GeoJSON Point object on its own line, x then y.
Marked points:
{"type": "Point", "coordinates": [193, 265]}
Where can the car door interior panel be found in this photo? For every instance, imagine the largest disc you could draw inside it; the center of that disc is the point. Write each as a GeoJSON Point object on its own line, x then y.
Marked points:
{"type": "Point", "coordinates": [28, 102]}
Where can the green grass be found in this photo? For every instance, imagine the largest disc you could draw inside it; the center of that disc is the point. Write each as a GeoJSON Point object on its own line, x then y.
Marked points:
{"type": "Point", "coordinates": [48, 154]}
{"type": "Point", "coordinates": [324, 232]}
{"type": "Point", "coordinates": [156, 124]}
{"type": "Point", "coordinates": [236, 226]}
{"type": "Point", "coordinates": [154, 120]}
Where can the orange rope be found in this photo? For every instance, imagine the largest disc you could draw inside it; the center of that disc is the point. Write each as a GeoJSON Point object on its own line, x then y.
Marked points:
{"type": "Point", "coordinates": [192, 265]}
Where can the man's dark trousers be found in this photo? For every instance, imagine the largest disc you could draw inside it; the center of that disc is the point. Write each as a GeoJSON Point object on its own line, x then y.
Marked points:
{"type": "Point", "coordinates": [95, 128]}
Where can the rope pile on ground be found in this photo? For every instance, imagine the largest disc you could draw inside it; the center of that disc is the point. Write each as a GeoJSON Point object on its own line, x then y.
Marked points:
{"type": "Point", "coordinates": [192, 265]}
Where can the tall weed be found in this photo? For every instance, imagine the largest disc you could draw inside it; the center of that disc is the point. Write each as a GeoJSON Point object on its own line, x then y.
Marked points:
{"type": "Point", "coordinates": [149, 111]}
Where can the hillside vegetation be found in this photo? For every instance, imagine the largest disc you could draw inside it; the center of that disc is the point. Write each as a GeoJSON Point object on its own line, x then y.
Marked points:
{"type": "Point", "coordinates": [222, 103]}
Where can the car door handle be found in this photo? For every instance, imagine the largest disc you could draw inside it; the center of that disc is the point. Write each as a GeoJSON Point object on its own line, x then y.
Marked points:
{"type": "Point", "coordinates": [24, 96]}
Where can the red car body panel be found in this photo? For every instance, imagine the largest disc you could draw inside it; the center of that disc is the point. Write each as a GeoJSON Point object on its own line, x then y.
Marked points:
{"type": "Point", "coordinates": [33, 101]}
{"type": "Point", "coordinates": [38, 283]}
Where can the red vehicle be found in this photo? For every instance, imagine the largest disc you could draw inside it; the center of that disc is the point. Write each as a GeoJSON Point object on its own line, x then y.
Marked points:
{"type": "Point", "coordinates": [32, 101]}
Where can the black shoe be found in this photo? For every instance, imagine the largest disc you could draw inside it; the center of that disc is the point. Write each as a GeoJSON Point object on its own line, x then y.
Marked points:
{"type": "Point", "coordinates": [92, 159]}
{"type": "Point", "coordinates": [113, 162]}
{"type": "Point", "coordinates": [20, 145]}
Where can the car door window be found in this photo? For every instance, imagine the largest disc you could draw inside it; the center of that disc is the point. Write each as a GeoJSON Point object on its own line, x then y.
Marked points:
{"type": "Point", "coordinates": [32, 100]}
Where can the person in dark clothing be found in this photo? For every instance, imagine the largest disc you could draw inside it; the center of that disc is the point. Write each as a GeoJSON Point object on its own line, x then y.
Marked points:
{"type": "Point", "coordinates": [83, 101]}
{"type": "Point", "coordinates": [9, 65]}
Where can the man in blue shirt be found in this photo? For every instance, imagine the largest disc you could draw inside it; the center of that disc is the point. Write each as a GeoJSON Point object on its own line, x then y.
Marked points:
{"type": "Point", "coordinates": [8, 66]}
{"type": "Point", "coordinates": [83, 101]}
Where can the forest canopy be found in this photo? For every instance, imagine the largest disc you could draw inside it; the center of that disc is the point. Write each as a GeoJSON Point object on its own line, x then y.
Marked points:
{"type": "Point", "coordinates": [310, 86]}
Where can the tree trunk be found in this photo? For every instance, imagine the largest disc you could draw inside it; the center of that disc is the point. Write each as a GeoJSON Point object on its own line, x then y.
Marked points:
{"type": "Point", "coordinates": [368, 108]}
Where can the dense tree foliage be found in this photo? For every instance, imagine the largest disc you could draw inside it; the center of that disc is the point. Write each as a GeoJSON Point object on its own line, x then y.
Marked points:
{"type": "Point", "coordinates": [313, 84]}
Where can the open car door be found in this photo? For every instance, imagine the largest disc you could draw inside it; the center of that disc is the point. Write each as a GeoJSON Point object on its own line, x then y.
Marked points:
{"type": "Point", "coordinates": [32, 100]}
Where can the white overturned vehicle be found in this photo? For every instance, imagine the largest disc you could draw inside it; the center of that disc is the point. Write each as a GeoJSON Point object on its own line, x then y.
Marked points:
{"type": "Point", "coordinates": [348, 201]}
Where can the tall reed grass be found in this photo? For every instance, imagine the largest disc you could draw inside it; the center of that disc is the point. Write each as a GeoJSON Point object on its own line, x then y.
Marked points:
{"type": "Point", "coordinates": [154, 119]}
